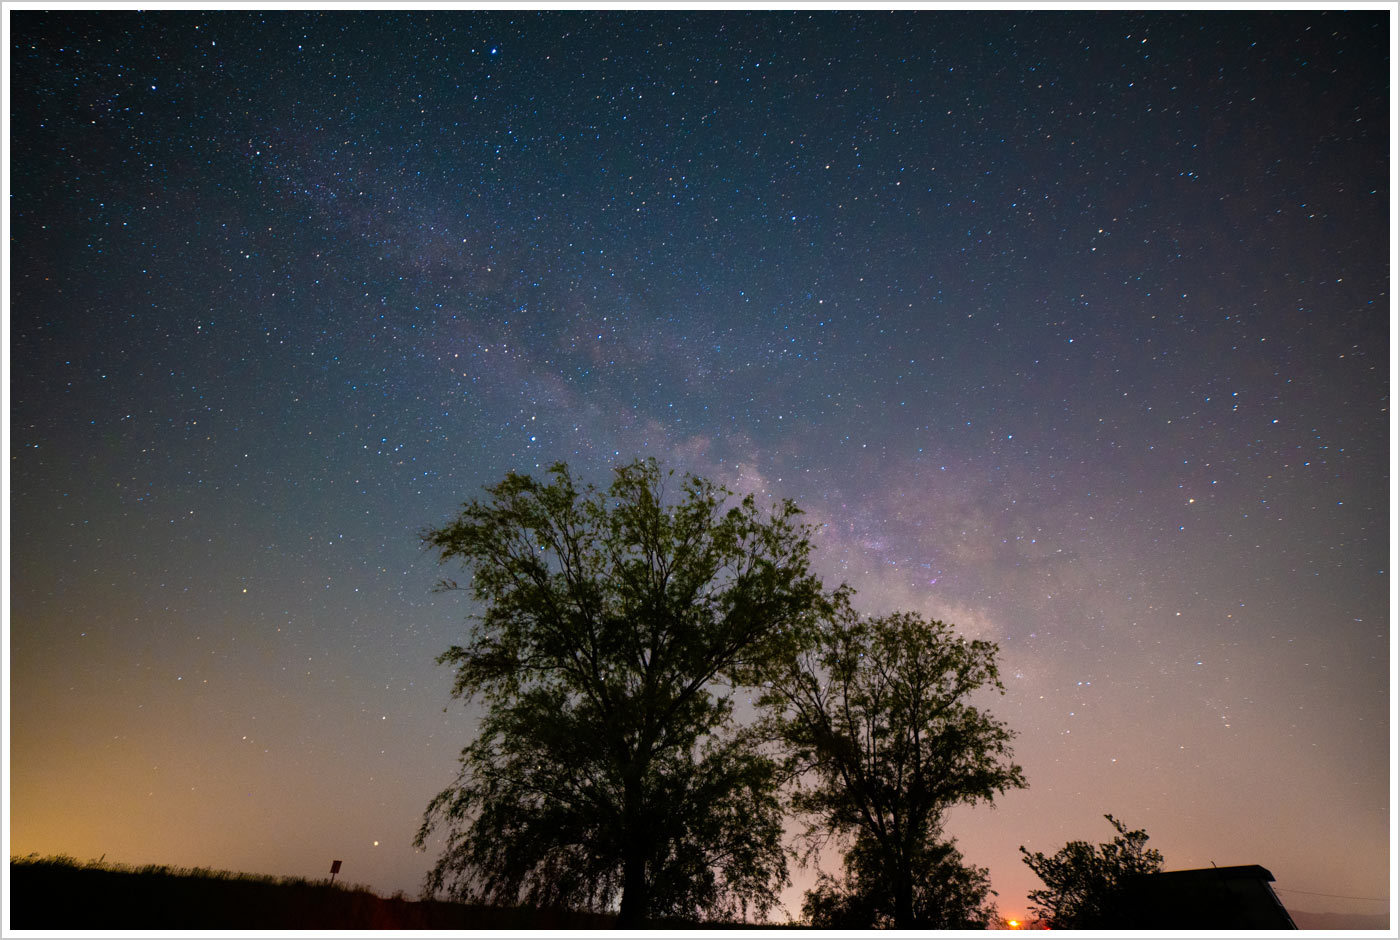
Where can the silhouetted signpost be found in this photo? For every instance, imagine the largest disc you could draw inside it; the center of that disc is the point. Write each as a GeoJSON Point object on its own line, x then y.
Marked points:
{"type": "Point", "coordinates": [335, 867]}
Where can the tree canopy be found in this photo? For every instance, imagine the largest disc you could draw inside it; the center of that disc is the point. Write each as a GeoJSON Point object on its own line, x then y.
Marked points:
{"type": "Point", "coordinates": [614, 626]}
{"type": "Point", "coordinates": [876, 716]}
{"type": "Point", "coordinates": [1083, 883]}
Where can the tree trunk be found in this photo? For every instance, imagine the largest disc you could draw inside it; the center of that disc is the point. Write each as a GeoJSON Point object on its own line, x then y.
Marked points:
{"type": "Point", "coordinates": [633, 907]}
{"type": "Point", "coordinates": [904, 899]}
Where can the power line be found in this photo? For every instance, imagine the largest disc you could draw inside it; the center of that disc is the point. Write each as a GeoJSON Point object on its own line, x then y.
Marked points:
{"type": "Point", "coordinates": [1349, 897]}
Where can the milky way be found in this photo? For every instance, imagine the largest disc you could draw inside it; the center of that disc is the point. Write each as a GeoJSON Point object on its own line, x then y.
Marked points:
{"type": "Point", "coordinates": [1071, 328]}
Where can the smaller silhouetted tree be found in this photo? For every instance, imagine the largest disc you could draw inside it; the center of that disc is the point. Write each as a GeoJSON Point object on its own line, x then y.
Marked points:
{"type": "Point", "coordinates": [1084, 883]}
{"type": "Point", "coordinates": [874, 714]}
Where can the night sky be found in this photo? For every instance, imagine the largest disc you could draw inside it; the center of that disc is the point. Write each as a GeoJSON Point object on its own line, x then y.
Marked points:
{"type": "Point", "coordinates": [1072, 329]}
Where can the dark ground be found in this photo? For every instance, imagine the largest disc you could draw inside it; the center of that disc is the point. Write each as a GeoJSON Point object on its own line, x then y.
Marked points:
{"type": "Point", "coordinates": [58, 894]}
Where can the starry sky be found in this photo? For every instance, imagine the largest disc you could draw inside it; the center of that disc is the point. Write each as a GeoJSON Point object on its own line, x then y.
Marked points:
{"type": "Point", "coordinates": [1070, 328]}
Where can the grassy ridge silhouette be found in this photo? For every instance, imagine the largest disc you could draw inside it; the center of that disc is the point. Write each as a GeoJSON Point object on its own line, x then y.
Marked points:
{"type": "Point", "coordinates": [59, 892]}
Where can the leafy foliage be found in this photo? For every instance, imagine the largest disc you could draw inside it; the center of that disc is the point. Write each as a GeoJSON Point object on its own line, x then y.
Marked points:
{"type": "Point", "coordinates": [1083, 882]}
{"type": "Point", "coordinates": [615, 627]}
{"type": "Point", "coordinates": [946, 894]}
{"type": "Point", "coordinates": [876, 717]}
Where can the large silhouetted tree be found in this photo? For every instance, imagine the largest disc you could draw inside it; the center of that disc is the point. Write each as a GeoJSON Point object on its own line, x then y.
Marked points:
{"type": "Point", "coordinates": [607, 767]}
{"type": "Point", "coordinates": [875, 713]}
{"type": "Point", "coordinates": [1084, 883]}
